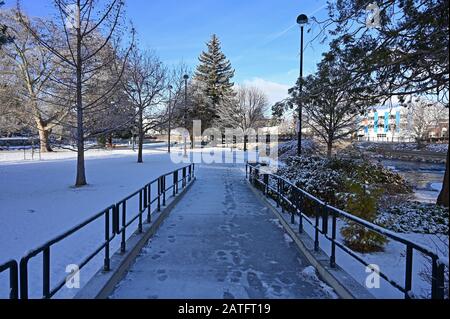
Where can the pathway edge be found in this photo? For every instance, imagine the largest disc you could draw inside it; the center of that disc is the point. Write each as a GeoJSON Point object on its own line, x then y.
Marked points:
{"type": "Point", "coordinates": [103, 284]}
{"type": "Point", "coordinates": [345, 286]}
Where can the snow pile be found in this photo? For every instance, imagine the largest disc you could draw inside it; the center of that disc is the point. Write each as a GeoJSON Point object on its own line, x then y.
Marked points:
{"type": "Point", "coordinates": [415, 217]}
{"type": "Point", "coordinates": [309, 274]}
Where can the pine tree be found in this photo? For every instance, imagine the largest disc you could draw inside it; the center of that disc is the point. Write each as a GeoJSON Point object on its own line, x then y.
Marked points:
{"type": "Point", "coordinates": [215, 72]}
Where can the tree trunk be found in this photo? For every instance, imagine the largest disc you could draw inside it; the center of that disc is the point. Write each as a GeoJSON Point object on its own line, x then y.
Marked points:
{"type": "Point", "coordinates": [81, 171]}
{"type": "Point", "coordinates": [110, 141]}
{"type": "Point", "coordinates": [141, 136]}
{"type": "Point", "coordinates": [44, 142]}
{"type": "Point", "coordinates": [245, 143]}
{"type": "Point", "coordinates": [443, 198]}
{"type": "Point", "coordinates": [329, 149]}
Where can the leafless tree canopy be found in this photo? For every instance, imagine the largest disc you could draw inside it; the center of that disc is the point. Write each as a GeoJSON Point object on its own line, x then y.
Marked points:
{"type": "Point", "coordinates": [84, 40]}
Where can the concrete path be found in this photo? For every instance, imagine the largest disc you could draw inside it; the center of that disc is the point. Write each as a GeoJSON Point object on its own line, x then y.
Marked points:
{"type": "Point", "coordinates": [221, 241]}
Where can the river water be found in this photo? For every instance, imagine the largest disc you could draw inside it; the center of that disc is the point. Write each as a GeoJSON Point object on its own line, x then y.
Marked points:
{"type": "Point", "coordinates": [426, 178]}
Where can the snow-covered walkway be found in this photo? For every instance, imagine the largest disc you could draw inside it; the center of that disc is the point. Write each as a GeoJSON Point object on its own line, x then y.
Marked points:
{"type": "Point", "coordinates": [221, 241]}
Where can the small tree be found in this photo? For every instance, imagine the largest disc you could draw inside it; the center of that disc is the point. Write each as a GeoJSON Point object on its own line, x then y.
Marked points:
{"type": "Point", "coordinates": [145, 83]}
{"type": "Point", "coordinates": [425, 116]}
{"type": "Point", "coordinates": [331, 102]}
{"type": "Point", "coordinates": [362, 203]}
{"type": "Point", "coordinates": [246, 111]}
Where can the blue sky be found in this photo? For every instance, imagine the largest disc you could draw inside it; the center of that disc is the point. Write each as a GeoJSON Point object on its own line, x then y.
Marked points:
{"type": "Point", "coordinates": [260, 37]}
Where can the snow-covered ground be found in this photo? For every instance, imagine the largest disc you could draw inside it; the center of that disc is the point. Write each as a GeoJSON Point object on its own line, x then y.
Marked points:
{"type": "Point", "coordinates": [392, 261]}
{"type": "Point", "coordinates": [38, 202]}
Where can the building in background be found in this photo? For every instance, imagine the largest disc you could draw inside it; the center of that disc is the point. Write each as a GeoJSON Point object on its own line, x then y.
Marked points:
{"type": "Point", "coordinates": [396, 124]}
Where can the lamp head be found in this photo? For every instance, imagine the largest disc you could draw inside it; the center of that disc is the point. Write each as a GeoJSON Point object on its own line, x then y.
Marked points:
{"type": "Point", "coordinates": [186, 77]}
{"type": "Point", "coordinates": [302, 19]}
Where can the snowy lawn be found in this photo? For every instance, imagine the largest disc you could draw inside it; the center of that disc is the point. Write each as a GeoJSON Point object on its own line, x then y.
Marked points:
{"type": "Point", "coordinates": [38, 202]}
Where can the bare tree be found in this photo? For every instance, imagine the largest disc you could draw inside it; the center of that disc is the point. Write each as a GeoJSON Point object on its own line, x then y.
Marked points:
{"type": "Point", "coordinates": [175, 99]}
{"type": "Point", "coordinates": [10, 123]}
{"type": "Point", "coordinates": [245, 111]}
{"type": "Point", "coordinates": [29, 68]}
{"type": "Point", "coordinates": [425, 116]}
{"type": "Point", "coordinates": [88, 31]}
{"type": "Point", "coordinates": [145, 84]}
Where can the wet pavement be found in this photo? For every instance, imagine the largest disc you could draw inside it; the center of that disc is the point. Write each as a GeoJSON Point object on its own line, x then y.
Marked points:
{"type": "Point", "coordinates": [221, 242]}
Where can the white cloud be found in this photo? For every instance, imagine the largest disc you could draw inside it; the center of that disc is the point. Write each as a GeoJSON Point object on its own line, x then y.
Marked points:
{"type": "Point", "coordinates": [275, 91]}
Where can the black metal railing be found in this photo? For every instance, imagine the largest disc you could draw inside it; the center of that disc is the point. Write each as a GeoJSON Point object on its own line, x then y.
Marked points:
{"type": "Point", "coordinates": [13, 269]}
{"type": "Point", "coordinates": [296, 201]}
{"type": "Point", "coordinates": [115, 224]}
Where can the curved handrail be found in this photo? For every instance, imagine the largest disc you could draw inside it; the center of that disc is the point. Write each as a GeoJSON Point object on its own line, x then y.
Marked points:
{"type": "Point", "coordinates": [438, 266]}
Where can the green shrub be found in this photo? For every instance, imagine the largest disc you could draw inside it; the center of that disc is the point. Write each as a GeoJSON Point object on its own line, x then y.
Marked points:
{"type": "Point", "coordinates": [363, 204]}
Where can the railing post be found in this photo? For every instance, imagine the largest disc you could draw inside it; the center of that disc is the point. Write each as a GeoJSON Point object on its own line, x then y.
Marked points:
{"type": "Point", "coordinates": [184, 177]}
{"type": "Point", "coordinates": [300, 214]}
{"type": "Point", "coordinates": [24, 279]}
{"type": "Point", "coordinates": [293, 207]}
{"type": "Point", "coordinates": [408, 273]}
{"type": "Point", "coordinates": [437, 280]}
{"type": "Point", "coordinates": [124, 223]}
{"type": "Point", "coordinates": [278, 192]}
{"type": "Point", "coordinates": [325, 220]}
{"type": "Point", "coordinates": [141, 210]}
{"type": "Point", "coordinates": [282, 199]}
{"type": "Point", "coordinates": [116, 219]}
{"type": "Point", "coordinates": [159, 194]}
{"type": "Point", "coordinates": [14, 282]}
{"type": "Point", "coordinates": [46, 273]}
{"type": "Point", "coordinates": [333, 241]}
{"type": "Point", "coordinates": [164, 189]}
{"type": "Point", "coordinates": [190, 173]}
{"type": "Point", "coordinates": [106, 263]}
{"type": "Point", "coordinates": [266, 184]}
{"type": "Point", "coordinates": [175, 183]}
{"type": "Point", "coordinates": [145, 197]}
{"type": "Point", "coordinates": [316, 231]}
{"type": "Point", "coordinates": [149, 207]}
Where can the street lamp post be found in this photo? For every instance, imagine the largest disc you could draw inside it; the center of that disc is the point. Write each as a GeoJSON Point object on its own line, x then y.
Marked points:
{"type": "Point", "coordinates": [170, 118]}
{"type": "Point", "coordinates": [186, 78]}
{"type": "Point", "coordinates": [301, 20]}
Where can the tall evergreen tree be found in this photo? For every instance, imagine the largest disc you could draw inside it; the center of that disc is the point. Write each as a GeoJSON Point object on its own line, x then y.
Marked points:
{"type": "Point", "coordinates": [215, 73]}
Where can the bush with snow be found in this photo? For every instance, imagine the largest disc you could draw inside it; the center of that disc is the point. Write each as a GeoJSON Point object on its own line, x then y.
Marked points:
{"type": "Point", "coordinates": [415, 217]}
{"type": "Point", "coordinates": [328, 178]}
{"type": "Point", "coordinates": [288, 149]}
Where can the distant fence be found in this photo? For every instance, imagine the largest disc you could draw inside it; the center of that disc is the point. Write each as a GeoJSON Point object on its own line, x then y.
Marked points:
{"type": "Point", "coordinates": [296, 201]}
{"type": "Point", "coordinates": [115, 224]}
